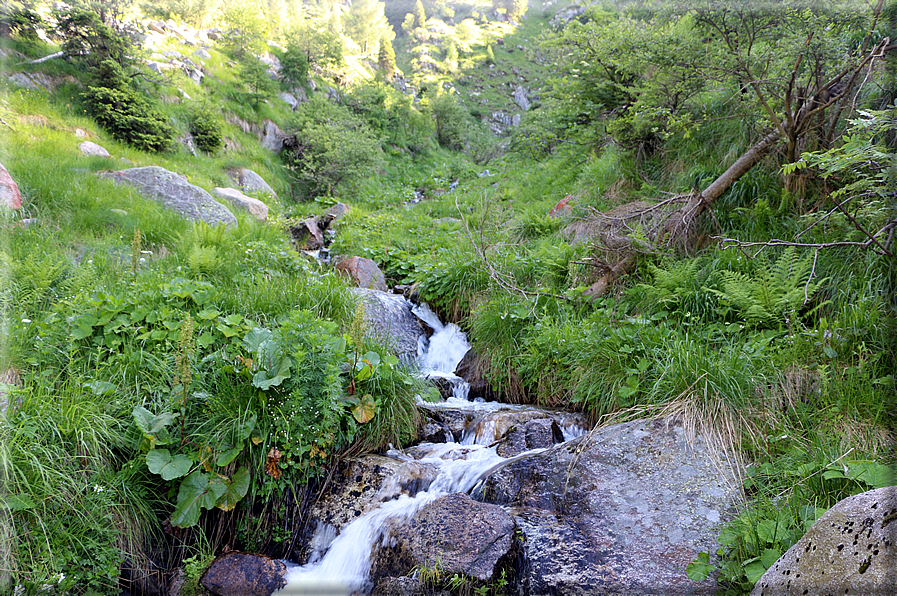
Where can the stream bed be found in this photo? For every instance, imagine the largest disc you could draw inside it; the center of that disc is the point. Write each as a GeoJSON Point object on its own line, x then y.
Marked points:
{"type": "Point", "coordinates": [520, 495]}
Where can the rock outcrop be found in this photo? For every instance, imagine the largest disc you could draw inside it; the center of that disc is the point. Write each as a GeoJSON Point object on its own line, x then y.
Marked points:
{"type": "Point", "coordinates": [91, 149]}
{"type": "Point", "coordinates": [175, 193]}
{"type": "Point", "coordinates": [249, 181]}
{"type": "Point", "coordinates": [620, 511]}
{"type": "Point", "coordinates": [239, 574]}
{"type": "Point", "coordinates": [851, 549]}
{"type": "Point", "coordinates": [364, 272]}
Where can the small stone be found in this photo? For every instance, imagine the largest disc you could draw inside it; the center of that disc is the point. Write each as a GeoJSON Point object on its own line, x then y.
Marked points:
{"type": "Point", "coordinates": [91, 149]}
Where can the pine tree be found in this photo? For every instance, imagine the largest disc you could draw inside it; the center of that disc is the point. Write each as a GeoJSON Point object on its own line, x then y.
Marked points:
{"type": "Point", "coordinates": [387, 58]}
{"type": "Point", "coordinates": [420, 17]}
{"type": "Point", "coordinates": [490, 55]}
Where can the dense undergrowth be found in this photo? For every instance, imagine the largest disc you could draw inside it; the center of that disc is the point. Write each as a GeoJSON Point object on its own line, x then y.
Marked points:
{"type": "Point", "coordinates": [173, 388]}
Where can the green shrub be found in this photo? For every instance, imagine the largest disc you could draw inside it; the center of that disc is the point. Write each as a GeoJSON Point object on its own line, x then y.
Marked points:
{"type": "Point", "coordinates": [207, 128]}
{"type": "Point", "coordinates": [124, 112]}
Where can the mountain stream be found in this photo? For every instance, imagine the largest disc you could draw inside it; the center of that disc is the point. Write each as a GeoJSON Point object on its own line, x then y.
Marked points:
{"type": "Point", "coordinates": [340, 564]}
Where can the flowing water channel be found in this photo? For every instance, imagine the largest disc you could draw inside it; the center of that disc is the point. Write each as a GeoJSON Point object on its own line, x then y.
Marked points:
{"type": "Point", "coordinates": [341, 564]}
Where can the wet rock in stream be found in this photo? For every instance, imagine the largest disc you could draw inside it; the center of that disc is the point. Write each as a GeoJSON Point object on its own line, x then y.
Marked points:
{"type": "Point", "coordinates": [622, 511]}
{"type": "Point", "coordinates": [455, 533]}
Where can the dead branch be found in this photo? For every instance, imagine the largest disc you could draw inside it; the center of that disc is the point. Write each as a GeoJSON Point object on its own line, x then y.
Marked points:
{"type": "Point", "coordinates": [871, 243]}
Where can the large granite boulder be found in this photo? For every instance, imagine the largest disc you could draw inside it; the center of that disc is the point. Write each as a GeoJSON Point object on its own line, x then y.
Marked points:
{"type": "Point", "coordinates": [239, 574]}
{"type": "Point", "coordinates": [389, 317]}
{"type": "Point", "coordinates": [454, 532]}
{"type": "Point", "coordinates": [851, 549]}
{"type": "Point", "coordinates": [622, 510]}
{"type": "Point", "coordinates": [175, 193]}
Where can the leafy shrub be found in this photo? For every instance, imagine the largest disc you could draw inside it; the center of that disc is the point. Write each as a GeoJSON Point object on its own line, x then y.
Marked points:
{"type": "Point", "coordinates": [333, 149]}
{"type": "Point", "coordinates": [124, 112]}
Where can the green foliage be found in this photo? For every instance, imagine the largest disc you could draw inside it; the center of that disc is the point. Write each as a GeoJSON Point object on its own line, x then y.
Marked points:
{"type": "Point", "coordinates": [207, 128]}
{"type": "Point", "coordinates": [126, 113]}
{"type": "Point", "coordinates": [334, 150]}
{"type": "Point", "coordinates": [293, 67]}
{"type": "Point", "coordinates": [257, 85]}
{"type": "Point", "coordinates": [420, 17]}
{"type": "Point", "coordinates": [386, 58]}
{"type": "Point", "coordinates": [247, 29]}
{"type": "Point", "coordinates": [775, 294]}
{"type": "Point", "coordinates": [89, 38]}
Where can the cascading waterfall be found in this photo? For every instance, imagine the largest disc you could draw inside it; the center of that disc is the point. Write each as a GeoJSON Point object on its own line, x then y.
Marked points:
{"type": "Point", "coordinates": [341, 564]}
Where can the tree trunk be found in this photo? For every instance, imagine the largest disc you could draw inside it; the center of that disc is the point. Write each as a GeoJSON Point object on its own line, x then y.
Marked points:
{"type": "Point", "coordinates": [680, 222]}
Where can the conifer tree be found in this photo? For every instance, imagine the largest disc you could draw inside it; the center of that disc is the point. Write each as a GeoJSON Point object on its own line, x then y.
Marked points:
{"type": "Point", "coordinates": [387, 58]}
{"type": "Point", "coordinates": [420, 17]}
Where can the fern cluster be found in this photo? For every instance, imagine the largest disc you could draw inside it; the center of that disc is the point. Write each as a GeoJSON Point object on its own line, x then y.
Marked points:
{"type": "Point", "coordinates": [774, 294]}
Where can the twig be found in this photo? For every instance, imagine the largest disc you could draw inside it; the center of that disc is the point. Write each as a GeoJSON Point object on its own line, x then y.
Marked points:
{"type": "Point", "coordinates": [812, 272]}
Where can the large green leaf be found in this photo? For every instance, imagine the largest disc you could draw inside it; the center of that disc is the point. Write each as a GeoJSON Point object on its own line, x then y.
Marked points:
{"type": "Point", "coordinates": [160, 461]}
{"type": "Point", "coordinates": [700, 568]}
{"type": "Point", "coordinates": [365, 409]}
{"type": "Point", "coordinates": [255, 338]}
{"type": "Point", "coordinates": [229, 455]}
{"type": "Point", "coordinates": [152, 426]}
{"type": "Point", "coordinates": [278, 370]}
{"type": "Point", "coordinates": [198, 491]}
{"type": "Point", "coordinates": [237, 487]}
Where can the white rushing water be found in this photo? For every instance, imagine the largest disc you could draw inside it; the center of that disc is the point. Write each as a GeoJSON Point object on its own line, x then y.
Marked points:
{"type": "Point", "coordinates": [341, 563]}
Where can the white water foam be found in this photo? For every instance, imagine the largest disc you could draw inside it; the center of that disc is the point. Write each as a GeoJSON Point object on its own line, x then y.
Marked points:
{"type": "Point", "coordinates": [345, 567]}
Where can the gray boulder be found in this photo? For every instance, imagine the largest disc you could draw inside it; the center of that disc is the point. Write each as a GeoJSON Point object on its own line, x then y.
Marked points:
{"type": "Point", "coordinates": [239, 574]}
{"type": "Point", "coordinates": [255, 207]}
{"type": "Point", "coordinates": [534, 434]}
{"type": "Point", "coordinates": [175, 193]}
{"type": "Point", "coordinates": [621, 511]}
{"type": "Point", "coordinates": [851, 549]}
{"type": "Point", "coordinates": [364, 272]}
{"type": "Point", "coordinates": [389, 317]}
{"type": "Point", "coordinates": [249, 181]}
{"type": "Point", "coordinates": [459, 534]}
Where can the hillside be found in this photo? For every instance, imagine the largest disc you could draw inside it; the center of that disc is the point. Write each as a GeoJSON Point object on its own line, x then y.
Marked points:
{"type": "Point", "coordinates": [634, 211]}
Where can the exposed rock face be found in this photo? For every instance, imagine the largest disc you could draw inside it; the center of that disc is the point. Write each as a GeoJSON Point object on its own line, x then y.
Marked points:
{"type": "Point", "coordinates": [255, 207]}
{"type": "Point", "coordinates": [249, 181]}
{"type": "Point", "coordinates": [455, 532]}
{"type": "Point", "coordinates": [621, 512]}
{"type": "Point", "coordinates": [389, 317]}
{"type": "Point", "coordinates": [175, 193]}
{"type": "Point", "coordinates": [272, 137]}
{"type": "Point", "coordinates": [91, 149]}
{"type": "Point", "coordinates": [534, 434]}
{"type": "Point", "coordinates": [307, 234]}
{"type": "Point", "coordinates": [239, 574]}
{"type": "Point", "coordinates": [851, 549]}
{"type": "Point", "coordinates": [472, 369]}
{"type": "Point", "coordinates": [364, 272]}
{"type": "Point", "coordinates": [521, 98]}
{"type": "Point", "coordinates": [9, 191]}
